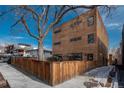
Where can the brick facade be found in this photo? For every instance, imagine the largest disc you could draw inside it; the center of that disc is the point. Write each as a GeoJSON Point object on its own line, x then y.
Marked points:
{"type": "Point", "coordinates": [84, 36]}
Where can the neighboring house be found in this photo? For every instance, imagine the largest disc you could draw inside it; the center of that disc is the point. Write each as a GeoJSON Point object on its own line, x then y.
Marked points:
{"type": "Point", "coordinates": [110, 59]}
{"type": "Point", "coordinates": [82, 38]}
{"type": "Point", "coordinates": [9, 49]}
{"type": "Point", "coordinates": [34, 53]}
{"type": "Point", "coordinates": [21, 49]}
{"type": "Point", "coordinates": [2, 49]}
{"type": "Point", "coordinates": [116, 55]}
{"type": "Point", "coordinates": [1, 52]}
{"type": "Point", "coordinates": [119, 55]}
{"type": "Point", "coordinates": [17, 50]}
{"type": "Point", "coordinates": [25, 50]}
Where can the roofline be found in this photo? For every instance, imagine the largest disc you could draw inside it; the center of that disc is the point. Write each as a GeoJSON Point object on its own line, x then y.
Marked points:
{"type": "Point", "coordinates": [75, 18]}
{"type": "Point", "coordinates": [24, 44]}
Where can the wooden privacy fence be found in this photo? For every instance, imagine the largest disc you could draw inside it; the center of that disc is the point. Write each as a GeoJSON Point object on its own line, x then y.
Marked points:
{"type": "Point", "coordinates": [39, 69]}
{"type": "Point", "coordinates": [53, 73]}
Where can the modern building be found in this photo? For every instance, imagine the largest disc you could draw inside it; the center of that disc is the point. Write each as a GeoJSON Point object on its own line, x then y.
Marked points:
{"type": "Point", "coordinates": [34, 53]}
{"type": "Point", "coordinates": [110, 59]}
{"type": "Point", "coordinates": [26, 50]}
{"type": "Point", "coordinates": [115, 55]}
{"type": "Point", "coordinates": [17, 49]}
{"type": "Point", "coordinates": [82, 38]}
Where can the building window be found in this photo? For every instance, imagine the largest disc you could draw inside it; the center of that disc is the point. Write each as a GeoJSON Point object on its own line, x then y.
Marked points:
{"type": "Point", "coordinates": [90, 57]}
{"type": "Point", "coordinates": [75, 56]}
{"type": "Point", "coordinates": [72, 25]}
{"type": "Point", "coordinates": [57, 43]}
{"type": "Point", "coordinates": [77, 23]}
{"type": "Point", "coordinates": [75, 39]}
{"type": "Point", "coordinates": [57, 57]}
{"type": "Point", "coordinates": [91, 38]}
{"type": "Point", "coordinates": [57, 31]}
{"type": "Point", "coordinates": [90, 20]}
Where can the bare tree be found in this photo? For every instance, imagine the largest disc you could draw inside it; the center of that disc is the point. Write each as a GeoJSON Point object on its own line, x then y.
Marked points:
{"type": "Point", "coordinates": [45, 17]}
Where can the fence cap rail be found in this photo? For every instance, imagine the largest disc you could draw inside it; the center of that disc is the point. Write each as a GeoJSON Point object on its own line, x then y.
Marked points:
{"type": "Point", "coordinates": [36, 60]}
{"type": "Point", "coordinates": [74, 60]}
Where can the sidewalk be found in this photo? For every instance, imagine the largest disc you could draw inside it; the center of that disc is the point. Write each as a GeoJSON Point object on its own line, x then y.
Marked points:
{"type": "Point", "coordinates": [18, 79]}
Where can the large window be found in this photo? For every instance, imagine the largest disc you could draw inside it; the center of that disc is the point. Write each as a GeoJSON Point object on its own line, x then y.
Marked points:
{"type": "Point", "coordinates": [57, 43]}
{"type": "Point", "coordinates": [75, 56]}
{"type": "Point", "coordinates": [90, 57]}
{"type": "Point", "coordinates": [75, 39]}
{"type": "Point", "coordinates": [57, 57]}
{"type": "Point", "coordinates": [90, 20]}
{"type": "Point", "coordinates": [91, 38]}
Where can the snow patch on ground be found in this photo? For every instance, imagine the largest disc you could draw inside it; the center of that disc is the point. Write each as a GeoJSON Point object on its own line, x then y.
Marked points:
{"type": "Point", "coordinates": [99, 74]}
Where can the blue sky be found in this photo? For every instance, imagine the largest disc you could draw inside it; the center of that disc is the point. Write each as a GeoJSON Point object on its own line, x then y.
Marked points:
{"type": "Point", "coordinates": [112, 23]}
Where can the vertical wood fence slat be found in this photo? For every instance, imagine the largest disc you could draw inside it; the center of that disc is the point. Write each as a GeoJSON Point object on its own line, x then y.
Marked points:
{"type": "Point", "coordinates": [53, 72]}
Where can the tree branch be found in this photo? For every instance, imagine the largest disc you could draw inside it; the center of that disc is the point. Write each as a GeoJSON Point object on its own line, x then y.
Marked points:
{"type": "Point", "coordinates": [72, 8]}
{"type": "Point", "coordinates": [46, 15]}
{"type": "Point", "coordinates": [27, 28]}
{"type": "Point", "coordinates": [30, 10]}
{"type": "Point", "coordinates": [62, 14]}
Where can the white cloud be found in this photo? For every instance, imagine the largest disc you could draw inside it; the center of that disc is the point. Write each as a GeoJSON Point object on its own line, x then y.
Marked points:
{"type": "Point", "coordinates": [18, 37]}
{"type": "Point", "coordinates": [15, 37]}
{"type": "Point", "coordinates": [47, 47]}
{"type": "Point", "coordinates": [113, 25]}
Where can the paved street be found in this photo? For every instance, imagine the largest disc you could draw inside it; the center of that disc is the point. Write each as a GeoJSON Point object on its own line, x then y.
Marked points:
{"type": "Point", "coordinates": [18, 79]}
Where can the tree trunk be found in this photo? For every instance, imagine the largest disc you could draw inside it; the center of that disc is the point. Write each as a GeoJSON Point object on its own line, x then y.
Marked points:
{"type": "Point", "coordinates": [40, 51]}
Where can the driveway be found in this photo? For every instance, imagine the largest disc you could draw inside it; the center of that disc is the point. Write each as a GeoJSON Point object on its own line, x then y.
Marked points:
{"type": "Point", "coordinates": [18, 79]}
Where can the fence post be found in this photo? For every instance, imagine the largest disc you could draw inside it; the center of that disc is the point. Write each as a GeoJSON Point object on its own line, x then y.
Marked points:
{"type": "Point", "coordinates": [51, 74]}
